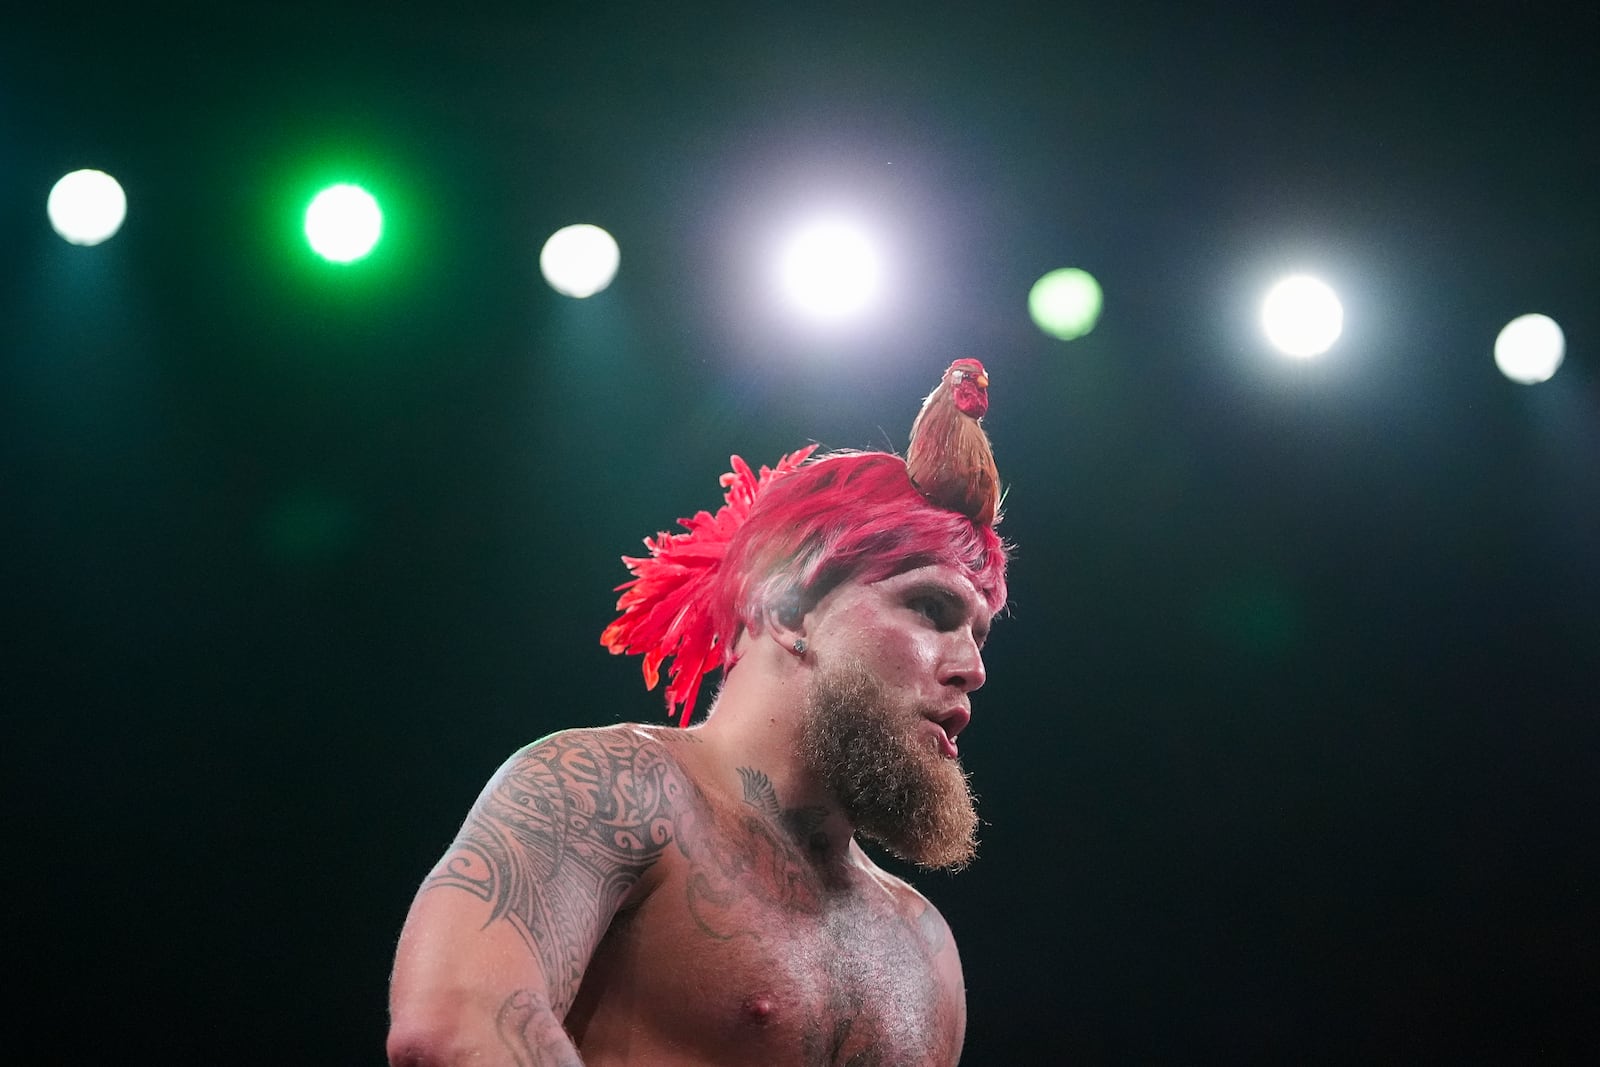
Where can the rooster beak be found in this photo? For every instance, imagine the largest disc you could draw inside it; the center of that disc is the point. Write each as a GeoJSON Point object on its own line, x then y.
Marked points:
{"type": "Point", "coordinates": [983, 381]}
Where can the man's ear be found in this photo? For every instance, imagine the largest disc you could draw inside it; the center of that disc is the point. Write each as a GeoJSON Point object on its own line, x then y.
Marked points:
{"type": "Point", "coordinates": [786, 620]}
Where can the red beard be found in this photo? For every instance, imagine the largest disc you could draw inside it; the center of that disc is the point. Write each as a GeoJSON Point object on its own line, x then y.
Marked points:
{"type": "Point", "coordinates": [887, 772]}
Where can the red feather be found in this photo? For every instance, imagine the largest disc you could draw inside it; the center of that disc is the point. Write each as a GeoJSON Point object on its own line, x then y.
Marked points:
{"type": "Point", "coordinates": [949, 457]}
{"type": "Point", "coordinates": [667, 606]}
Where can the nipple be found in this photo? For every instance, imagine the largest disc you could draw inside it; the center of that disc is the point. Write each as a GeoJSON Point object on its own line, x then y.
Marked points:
{"type": "Point", "coordinates": [758, 1009]}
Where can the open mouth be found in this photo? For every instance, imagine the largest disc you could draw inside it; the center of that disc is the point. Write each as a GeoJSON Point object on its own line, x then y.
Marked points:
{"type": "Point", "coordinates": [950, 724]}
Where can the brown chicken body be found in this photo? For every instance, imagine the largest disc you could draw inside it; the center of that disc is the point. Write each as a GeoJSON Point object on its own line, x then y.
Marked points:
{"type": "Point", "coordinates": [950, 458]}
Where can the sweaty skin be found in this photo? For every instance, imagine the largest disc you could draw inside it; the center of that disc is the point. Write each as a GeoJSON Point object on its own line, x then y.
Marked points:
{"type": "Point", "coordinates": [755, 949]}
{"type": "Point", "coordinates": [647, 895]}
{"type": "Point", "coordinates": [734, 943]}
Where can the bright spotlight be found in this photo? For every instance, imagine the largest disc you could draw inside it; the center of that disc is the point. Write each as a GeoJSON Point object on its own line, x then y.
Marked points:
{"type": "Point", "coordinates": [87, 207]}
{"type": "Point", "coordinates": [830, 270]}
{"type": "Point", "coordinates": [1529, 349]}
{"type": "Point", "coordinates": [343, 223]}
{"type": "Point", "coordinates": [1302, 317]}
{"type": "Point", "coordinates": [1065, 303]}
{"type": "Point", "coordinates": [579, 261]}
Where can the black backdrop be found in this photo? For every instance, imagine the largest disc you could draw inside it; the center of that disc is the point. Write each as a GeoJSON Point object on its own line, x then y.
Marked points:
{"type": "Point", "coordinates": [1288, 749]}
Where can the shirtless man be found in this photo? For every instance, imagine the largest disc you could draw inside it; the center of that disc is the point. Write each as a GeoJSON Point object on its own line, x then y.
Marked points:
{"type": "Point", "coordinates": [649, 895]}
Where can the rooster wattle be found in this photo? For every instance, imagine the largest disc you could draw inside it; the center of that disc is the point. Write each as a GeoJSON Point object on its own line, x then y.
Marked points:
{"type": "Point", "coordinates": [950, 458]}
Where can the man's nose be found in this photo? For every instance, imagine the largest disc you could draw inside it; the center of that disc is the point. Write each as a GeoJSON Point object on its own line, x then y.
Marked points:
{"type": "Point", "coordinates": [964, 668]}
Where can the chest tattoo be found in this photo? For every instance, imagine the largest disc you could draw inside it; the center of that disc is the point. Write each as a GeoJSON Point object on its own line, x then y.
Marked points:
{"type": "Point", "coordinates": [873, 968]}
{"type": "Point", "coordinates": [756, 861]}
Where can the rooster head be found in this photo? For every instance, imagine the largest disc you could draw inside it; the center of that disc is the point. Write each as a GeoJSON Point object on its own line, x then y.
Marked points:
{"type": "Point", "coordinates": [970, 387]}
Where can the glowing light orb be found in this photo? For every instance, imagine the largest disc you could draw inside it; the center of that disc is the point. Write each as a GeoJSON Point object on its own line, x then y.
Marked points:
{"type": "Point", "coordinates": [1529, 349]}
{"type": "Point", "coordinates": [830, 270]}
{"type": "Point", "coordinates": [343, 223]}
{"type": "Point", "coordinates": [87, 207]}
{"type": "Point", "coordinates": [1065, 303]}
{"type": "Point", "coordinates": [579, 261]}
{"type": "Point", "coordinates": [1302, 317]}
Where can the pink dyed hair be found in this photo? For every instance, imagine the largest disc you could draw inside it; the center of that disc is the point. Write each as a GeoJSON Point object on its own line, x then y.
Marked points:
{"type": "Point", "coordinates": [845, 516]}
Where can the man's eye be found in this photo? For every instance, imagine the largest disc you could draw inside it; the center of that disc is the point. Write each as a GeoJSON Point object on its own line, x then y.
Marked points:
{"type": "Point", "coordinates": [932, 608]}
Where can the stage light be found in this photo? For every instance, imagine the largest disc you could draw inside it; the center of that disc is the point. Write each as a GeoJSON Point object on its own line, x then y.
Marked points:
{"type": "Point", "coordinates": [1529, 349]}
{"type": "Point", "coordinates": [830, 270]}
{"type": "Point", "coordinates": [579, 261]}
{"type": "Point", "coordinates": [343, 223]}
{"type": "Point", "coordinates": [1302, 317]}
{"type": "Point", "coordinates": [1065, 303]}
{"type": "Point", "coordinates": [87, 207]}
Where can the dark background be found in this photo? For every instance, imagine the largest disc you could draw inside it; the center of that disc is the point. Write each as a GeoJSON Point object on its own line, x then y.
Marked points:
{"type": "Point", "coordinates": [1289, 748]}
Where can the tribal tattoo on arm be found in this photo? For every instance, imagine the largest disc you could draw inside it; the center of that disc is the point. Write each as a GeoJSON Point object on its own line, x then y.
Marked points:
{"type": "Point", "coordinates": [529, 1031]}
{"type": "Point", "coordinates": [559, 838]}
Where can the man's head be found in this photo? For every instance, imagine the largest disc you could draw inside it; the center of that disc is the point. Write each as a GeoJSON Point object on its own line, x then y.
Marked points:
{"type": "Point", "coordinates": [893, 597]}
{"type": "Point", "coordinates": [783, 540]}
{"type": "Point", "coordinates": [849, 516]}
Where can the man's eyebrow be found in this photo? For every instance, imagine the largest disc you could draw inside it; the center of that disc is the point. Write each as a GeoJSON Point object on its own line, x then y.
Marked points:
{"type": "Point", "coordinates": [955, 597]}
{"type": "Point", "coordinates": [938, 587]}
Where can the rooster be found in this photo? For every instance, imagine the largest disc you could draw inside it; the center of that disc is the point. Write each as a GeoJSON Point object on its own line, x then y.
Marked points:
{"type": "Point", "coordinates": [949, 457]}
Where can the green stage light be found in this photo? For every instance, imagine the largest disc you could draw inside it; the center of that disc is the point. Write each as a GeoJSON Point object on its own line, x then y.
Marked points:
{"type": "Point", "coordinates": [1065, 303]}
{"type": "Point", "coordinates": [343, 223]}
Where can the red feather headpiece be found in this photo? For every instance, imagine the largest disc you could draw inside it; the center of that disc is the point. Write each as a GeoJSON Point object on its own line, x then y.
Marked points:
{"type": "Point", "coordinates": [667, 607]}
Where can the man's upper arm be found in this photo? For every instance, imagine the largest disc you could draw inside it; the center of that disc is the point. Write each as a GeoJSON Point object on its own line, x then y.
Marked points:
{"type": "Point", "coordinates": [552, 848]}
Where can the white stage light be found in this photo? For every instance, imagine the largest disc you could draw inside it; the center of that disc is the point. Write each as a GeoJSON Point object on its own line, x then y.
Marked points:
{"type": "Point", "coordinates": [87, 207]}
{"type": "Point", "coordinates": [579, 261]}
{"type": "Point", "coordinates": [1302, 317]}
{"type": "Point", "coordinates": [1529, 349]}
{"type": "Point", "coordinates": [830, 270]}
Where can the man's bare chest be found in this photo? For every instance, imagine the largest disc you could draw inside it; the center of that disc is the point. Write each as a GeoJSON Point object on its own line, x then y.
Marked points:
{"type": "Point", "coordinates": [746, 952]}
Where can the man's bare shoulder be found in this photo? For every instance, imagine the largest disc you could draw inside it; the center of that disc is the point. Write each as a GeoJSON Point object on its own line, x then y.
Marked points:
{"type": "Point", "coordinates": [619, 747]}
{"type": "Point", "coordinates": [626, 783]}
{"type": "Point", "coordinates": [609, 791]}
{"type": "Point", "coordinates": [911, 905]}
{"type": "Point", "coordinates": [620, 736]}
{"type": "Point", "coordinates": [572, 828]}
{"type": "Point", "coordinates": [625, 754]}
